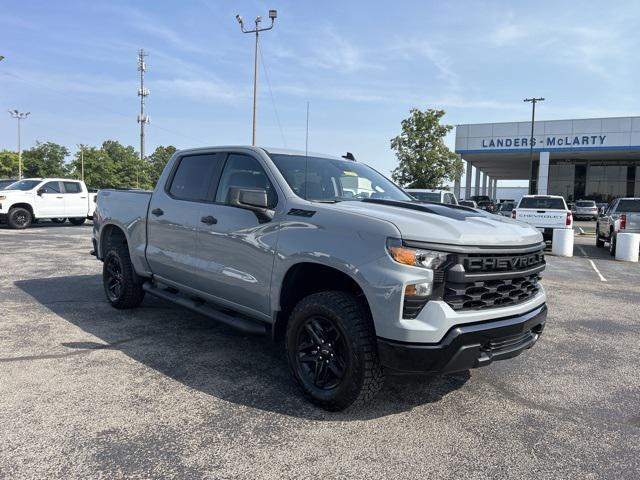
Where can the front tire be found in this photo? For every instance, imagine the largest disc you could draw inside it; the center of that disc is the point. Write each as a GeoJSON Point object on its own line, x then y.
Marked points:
{"type": "Point", "coordinates": [332, 351]}
{"type": "Point", "coordinates": [19, 218]}
{"type": "Point", "coordinates": [119, 279]}
{"type": "Point", "coordinates": [599, 240]}
{"type": "Point", "coordinates": [77, 221]}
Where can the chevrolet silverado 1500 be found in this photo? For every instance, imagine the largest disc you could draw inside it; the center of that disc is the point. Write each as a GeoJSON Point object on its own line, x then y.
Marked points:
{"type": "Point", "coordinates": [328, 256]}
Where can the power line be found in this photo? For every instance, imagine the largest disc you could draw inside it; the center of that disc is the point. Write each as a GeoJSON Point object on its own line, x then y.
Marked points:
{"type": "Point", "coordinates": [273, 100]}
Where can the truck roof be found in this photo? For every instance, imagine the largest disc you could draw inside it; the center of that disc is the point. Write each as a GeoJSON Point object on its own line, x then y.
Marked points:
{"type": "Point", "coordinates": [268, 150]}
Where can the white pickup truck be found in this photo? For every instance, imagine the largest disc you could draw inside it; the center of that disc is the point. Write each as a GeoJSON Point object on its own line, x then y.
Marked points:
{"type": "Point", "coordinates": [31, 199]}
{"type": "Point", "coordinates": [544, 212]}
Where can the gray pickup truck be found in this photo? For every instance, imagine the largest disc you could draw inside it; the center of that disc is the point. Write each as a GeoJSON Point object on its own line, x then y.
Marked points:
{"type": "Point", "coordinates": [621, 216]}
{"type": "Point", "coordinates": [330, 257]}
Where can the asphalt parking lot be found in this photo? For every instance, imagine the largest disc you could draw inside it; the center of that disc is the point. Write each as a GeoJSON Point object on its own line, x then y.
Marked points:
{"type": "Point", "coordinates": [159, 392]}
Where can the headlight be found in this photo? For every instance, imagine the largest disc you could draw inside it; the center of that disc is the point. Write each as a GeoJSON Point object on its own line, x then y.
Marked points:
{"type": "Point", "coordinates": [415, 257]}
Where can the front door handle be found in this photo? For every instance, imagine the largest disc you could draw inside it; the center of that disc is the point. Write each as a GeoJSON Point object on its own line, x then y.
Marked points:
{"type": "Point", "coordinates": [157, 212]}
{"type": "Point", "coordinates": [209, 220]}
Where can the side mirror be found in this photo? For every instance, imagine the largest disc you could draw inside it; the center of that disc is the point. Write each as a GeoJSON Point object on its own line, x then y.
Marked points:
{"type": "Point", "coordinates": [41, 191]}
{"type": "Point", "coordinates": [254, 199]}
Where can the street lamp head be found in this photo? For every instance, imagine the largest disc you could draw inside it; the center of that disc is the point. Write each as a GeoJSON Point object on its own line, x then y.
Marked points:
{"type": "Point", "coordinates": [273, 14]}
{"type": "Point", "coordinates": [258, 19]}
{"type": "Point", "coordinates": [239, 19]}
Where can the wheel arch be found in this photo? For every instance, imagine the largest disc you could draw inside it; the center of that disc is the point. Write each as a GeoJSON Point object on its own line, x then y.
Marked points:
{"type": "Point", "coordinates": [27, 206]}
{"type": "Point", "coordinates": [305, 278]}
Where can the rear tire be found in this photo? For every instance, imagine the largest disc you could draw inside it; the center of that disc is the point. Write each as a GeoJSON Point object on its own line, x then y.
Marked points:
{"type": "Point", "coordinates": [332, 350]}
{"type": "Point", "coordinates": [121, 287]}
{"type": "Point", "coordinates": [612, 244]}
{"type": "Point", "coordinates": [599, 240]}
{"type": "Point", "coordinates": [19, 218]}
{"type": "Point", "coordinates": [77, 221]}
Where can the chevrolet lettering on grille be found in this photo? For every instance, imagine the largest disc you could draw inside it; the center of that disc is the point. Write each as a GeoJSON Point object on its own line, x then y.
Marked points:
{"type": "Point", "coordinates": [476, 264]}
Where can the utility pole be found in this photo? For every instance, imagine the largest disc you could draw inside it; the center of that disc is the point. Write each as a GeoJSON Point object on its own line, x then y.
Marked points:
{"type": "Point", "coordinates": [532, 141]}
{"type": "Point", "coordinates": [19, 116]}
{"type": "Point", "coordinates": [272, 15]}
{"type": "Point", "coordinates": [81, 147]}
{"type": "Point", "coordinates": [142, 118]}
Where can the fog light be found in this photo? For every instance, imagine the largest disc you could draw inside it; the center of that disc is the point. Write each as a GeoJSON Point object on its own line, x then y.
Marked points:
{"type": "Point", "coordinates": [417, 290]}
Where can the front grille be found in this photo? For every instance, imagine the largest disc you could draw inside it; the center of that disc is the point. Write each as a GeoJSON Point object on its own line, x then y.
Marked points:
{"type": "Point", "coordinates": [495, 281]}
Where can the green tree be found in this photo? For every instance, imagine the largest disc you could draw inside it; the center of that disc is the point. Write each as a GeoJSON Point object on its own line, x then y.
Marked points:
{"type": "Point", "coordinates": [99, 168]}
{"type": "Point", "coordinates": [45, 160]}
{"type": "Point", "coordinates": [424, 159]}
{"type": "Point", "coordinates": [158, 160]}
{"type": "Point", "coordinates": [8, 164]}
{"type": "Point", "coordinates": [129, 170]}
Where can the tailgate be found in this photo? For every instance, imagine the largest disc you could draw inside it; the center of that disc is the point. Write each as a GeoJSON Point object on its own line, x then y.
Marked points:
{"type": "Point", "coordinates": [542, 218]}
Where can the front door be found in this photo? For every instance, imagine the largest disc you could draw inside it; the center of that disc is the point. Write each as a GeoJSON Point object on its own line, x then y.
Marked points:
{"type": "Point", "coordinates": [174, 217]}
{"type": "Point", "coordinates": [50, 200]}
{"type": "Point", "coordinates": [236, 252]}
{"type": "Point", "coordinates": [75, 200]}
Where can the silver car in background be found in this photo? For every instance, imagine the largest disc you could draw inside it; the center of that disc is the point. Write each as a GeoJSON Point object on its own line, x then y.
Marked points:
{"type": "Point", "coordinates": [585, 210]}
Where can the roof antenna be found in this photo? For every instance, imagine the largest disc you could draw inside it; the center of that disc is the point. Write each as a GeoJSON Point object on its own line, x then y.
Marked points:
{"type": "Point", "coordinates": [349, 156]}
{"type": "Point", "coordinates": [306, 154]}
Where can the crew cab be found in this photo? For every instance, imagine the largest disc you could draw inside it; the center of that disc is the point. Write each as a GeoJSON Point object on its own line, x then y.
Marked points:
{"type": "Point", "coordinates": [31, 199]}
{"type": "Point", "coordinates": [621, 216]}
{"type": "Point", "coordinates": [432, 195]}
{"type": "Point", "coordinates": [544, 212]}
{"type": "Point", "coordinates": [328, 256]}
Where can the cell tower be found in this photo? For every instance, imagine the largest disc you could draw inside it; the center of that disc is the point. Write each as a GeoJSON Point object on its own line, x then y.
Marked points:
{"type": "Point", "coordinates": [142, 93]}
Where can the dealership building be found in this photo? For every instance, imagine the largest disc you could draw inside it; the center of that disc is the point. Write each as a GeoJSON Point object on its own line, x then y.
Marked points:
{"type": "Point", "coordinates": [596, 158]}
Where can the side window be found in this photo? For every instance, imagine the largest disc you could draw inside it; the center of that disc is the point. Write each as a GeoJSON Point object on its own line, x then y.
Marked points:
{"type": "Point", "coordinates": [244, 171]}
{"type": "Point", "coordinates": [448, 198]}
{"type": "Point", "coordinates": [51, 187]}
{"type": "Point", "coordinates": [194, 177]}
{"type": "Point", "coordinates": [72, 187]}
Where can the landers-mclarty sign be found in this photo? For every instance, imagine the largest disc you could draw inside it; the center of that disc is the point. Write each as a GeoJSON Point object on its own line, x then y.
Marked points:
{"type": "Point", "coordinates": [549, 141]}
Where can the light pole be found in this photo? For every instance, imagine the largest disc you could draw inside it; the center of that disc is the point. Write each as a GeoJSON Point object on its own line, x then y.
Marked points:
{"type": "Point", "coordinates": [272, 15]}
{"type": "Point", "coordinates": [19, 116]}
{"type": "Point", "coordinates": [533, 101]}
{"type": "Point", "coordinates": [81, 147]}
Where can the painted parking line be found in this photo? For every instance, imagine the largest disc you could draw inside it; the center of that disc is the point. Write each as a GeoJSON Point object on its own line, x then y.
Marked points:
{"type": "Point", "coordinates": [593, 265]}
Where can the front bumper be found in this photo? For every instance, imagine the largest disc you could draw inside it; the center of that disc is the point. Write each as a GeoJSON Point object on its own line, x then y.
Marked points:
{"type": "Point", "coordinates": [466, 346]}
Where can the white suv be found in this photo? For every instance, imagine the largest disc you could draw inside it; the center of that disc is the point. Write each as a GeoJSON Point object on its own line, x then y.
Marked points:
{"type": "Point", "coordinates": [30, 199]}
{"type": "Point", "coordinates": [432, 195]}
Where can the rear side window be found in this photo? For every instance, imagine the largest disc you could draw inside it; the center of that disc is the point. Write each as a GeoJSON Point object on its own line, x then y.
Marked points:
{"type": "Point", "coordinates": [631, 206]}
{"type": "Point", "coordinates": [542, 203]}
{"type": "Point", "coordinates": [51, 187]}
{"type": "Point", "coordinates": [243, 171]}
{"type": "Point", "coordinates": [72, 187]}
{"type": "Point", "coordinates": [426, 196]}
{"type": "Point", "coordinates": [194, 177]}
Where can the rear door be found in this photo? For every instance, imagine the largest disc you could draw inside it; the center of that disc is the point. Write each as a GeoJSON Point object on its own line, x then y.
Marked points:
{"type": "Point", "coordinates": [75, 200]}
{"type": "Point", "coordinates": [236, 252]}
{"type": "Point", "coordinates": [50, 200]}
{"type": "Point", "coordinates": [175, 211]}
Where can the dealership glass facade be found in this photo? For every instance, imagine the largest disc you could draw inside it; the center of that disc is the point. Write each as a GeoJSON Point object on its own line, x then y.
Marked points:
{"type": "Point", "coordinates": [601, 180]}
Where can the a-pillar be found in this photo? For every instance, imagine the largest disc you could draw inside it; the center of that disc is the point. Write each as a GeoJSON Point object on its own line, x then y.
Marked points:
{"type": "Point", "coordinates": [477, 187]}
{"type": "Point", "coordinates": [467, 186]}
{"type": "Point", "coordinates": [543, 173]}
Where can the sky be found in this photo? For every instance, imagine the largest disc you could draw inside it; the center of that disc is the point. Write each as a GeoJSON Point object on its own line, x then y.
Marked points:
{"type": "Point", "coordinates": [361, 65]}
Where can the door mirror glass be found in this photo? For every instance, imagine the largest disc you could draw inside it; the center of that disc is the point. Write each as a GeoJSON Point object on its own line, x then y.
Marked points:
{"type": "Point", "coordinates": [254, 199]}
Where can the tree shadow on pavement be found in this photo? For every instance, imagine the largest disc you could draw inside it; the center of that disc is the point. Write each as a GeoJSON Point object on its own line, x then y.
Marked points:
{"type": "Point", "coordinates": [207, 356]}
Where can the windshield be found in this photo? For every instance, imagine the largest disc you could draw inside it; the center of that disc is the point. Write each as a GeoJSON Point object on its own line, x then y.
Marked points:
{"type": "Point", "coordinates": [330, 180]}
{"type": "Point", "coordinates": [23, 185]}
{"type": "Point", "coordinates": [426, 196]}
{"type": "Point", "coordinates": [542, 203]}
{"type": "Point", "coordinates": [586, 204]}
{"type": "Point", "coordinates": [631, 206]}
{"type": "Point", "coordinates": [506, 207]}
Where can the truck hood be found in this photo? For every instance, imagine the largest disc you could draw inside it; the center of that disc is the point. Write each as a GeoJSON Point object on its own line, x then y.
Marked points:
{"type": "Point", "coordinates": [436, 223]}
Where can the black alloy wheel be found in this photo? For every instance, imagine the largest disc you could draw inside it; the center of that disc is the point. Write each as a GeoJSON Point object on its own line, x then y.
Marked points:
{"type": "Point", "coordinates": [322, 357]}
{"type": "Point", "coordinates": [113, 279]}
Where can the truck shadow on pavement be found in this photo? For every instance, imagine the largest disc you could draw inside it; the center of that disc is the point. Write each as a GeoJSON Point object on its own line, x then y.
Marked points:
{"type": "Point", "coordinates": [207, 356]}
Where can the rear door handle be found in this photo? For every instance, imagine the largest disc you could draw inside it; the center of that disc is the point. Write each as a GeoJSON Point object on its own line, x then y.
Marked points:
{"type": "Point", "coordinates": [157, 212]}
{"type": "Point", "coordinates": [209, 220]}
